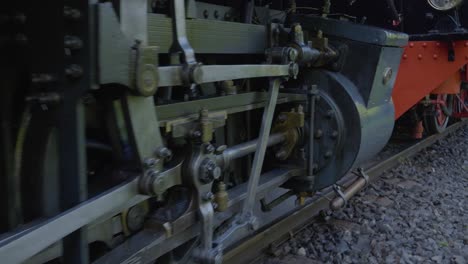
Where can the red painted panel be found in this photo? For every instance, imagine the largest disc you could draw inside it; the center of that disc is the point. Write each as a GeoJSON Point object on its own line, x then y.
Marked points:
{"type": "Point", "coordinates": [424, 67]}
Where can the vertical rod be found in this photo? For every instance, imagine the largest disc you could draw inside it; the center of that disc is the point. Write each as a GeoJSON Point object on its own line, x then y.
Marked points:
{"type": "Point", "coordinates": [311, 97]}
{"type": "Point", "coordinates": [180, 41]}
{"type": "Point", "coordinates": [261, 147]}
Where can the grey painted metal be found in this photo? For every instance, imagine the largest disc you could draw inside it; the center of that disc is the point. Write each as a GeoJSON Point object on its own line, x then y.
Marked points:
{"type": "Point", "coordinates": [352, 31]}
{"type": "Point", "coordinates": [173, 75]}
{"type": "Point", "coordinates": [246, 148]}
{"type": "Point", "coordinates": [180, 42]}
{"type": "Point", "coordinates": [114, 47]}
{"type": "Point", "coordinates": [265, 129]}
{"type": "Point", "coordinates": [229, 103]}
{"type": "Point", "coordinates": [210, 36]}
{"type": "Point", "coordinates": [133, 19]}
{"type": "Point", "coordinates": [19, 248]}
{"type": "Point", "coordinates": [148, 245]}
{"type": "Point", "coordinates": [144, 125]}
{"type": "Point", "coordinates": [389, 60]}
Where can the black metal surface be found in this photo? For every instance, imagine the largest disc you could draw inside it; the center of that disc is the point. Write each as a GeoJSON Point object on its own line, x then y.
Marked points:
{"type": "Point", "coordinates": [71, 131]}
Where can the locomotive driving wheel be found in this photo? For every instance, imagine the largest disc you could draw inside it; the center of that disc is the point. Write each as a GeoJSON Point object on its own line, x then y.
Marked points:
{"type": "Point", "coordinates": [437, 117]}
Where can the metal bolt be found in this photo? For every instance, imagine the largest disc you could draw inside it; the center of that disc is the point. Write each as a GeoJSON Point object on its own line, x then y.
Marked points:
{"type": "Point", "coordinates": [253, 223]}
{"type": "Point", "coordinates": [318, 134]}
{"type": "Point", "coordinates": [21, 39]}
{"type": "Point", "coordinates": [71, 13]}
{"type": "Point", "coordinates": [208, 197]}
{"type": "Point", "coordinates": [281, 155]}
{"type": "Point", "coordinates": [158, 181]}
{"type": "Point", "coordinates": [292, 54]}
{"type": "Point", "coordinates": [19, 18]}
{"type": "Point", "coordinates": [74, 71]}
{"type": "Point", "coordinates": [164, 153]}
{"type": "Point", "coordinates": [149, 162]}
{"type": "Point", "coordinates": [334, 134]}
{"type": "Point", "coordinates": [330, 114]}
{"type": "Point", "coordinates": [209, 148]}
{"type": "Point", "coordinates": [196, 134]}
{"type": "Point", "coordinates": [205, 13]}
{"type": "Point", "coordinates": [215, 172]}
{"type": "Point", "coordinates": [42, 78]}
{"type": "Point", "coordinates": [300, 109]}
{"type": "Point", "coordinates": [328, 154]}
{"type": "Point", "coordinates": [387, 75]}
{"type": "Point", "coordinates": [45, 98]}
{"type": "Point", "coordinates": [135, 218]}
{"type": "Point", "coordinates": [282, 118]}
{"type": "Point", "coordinates": [73, 42]}
{"type": "Point", "coordinates": [216, 14]}
{"type": "Point", "coordinates": [152, 173]}
{"type": "Point", "coordinates": [209, 171]}
{"type": "Point", "coordinates": [219, 150]}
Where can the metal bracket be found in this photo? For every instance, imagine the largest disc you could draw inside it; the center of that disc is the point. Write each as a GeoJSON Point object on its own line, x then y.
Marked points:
{"type": "Point", "coordinates": [363, 174]}
{"type": "Point", "coordinates": [339, 193]}
{"type": "Point", "coordinates": [146, 75]}
{"type": "Point", "coordinates": [180, 41]}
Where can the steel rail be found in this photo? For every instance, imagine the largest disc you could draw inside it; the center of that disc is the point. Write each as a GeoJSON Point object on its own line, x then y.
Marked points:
{"type": "Point", "coordinates": [250, 249]}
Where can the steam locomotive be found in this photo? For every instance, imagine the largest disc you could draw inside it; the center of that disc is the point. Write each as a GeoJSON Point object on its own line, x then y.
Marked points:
{"type": "Point", "coordinates": [142, 131]}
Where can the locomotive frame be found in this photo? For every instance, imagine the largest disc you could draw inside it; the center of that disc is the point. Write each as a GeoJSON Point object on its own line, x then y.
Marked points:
{"type": "Point", "coordinates": [139, 65]}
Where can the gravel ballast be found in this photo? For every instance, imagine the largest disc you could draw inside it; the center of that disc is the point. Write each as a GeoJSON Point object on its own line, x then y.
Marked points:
{"type": "Point", "coordinates": [416, 213]}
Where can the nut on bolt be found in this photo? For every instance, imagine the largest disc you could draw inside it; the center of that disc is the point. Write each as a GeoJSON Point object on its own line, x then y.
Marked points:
{"type": "Point", "coordinates": [208, 197]}
{"type": "Point", "coordinates": [209, 171]}
{"type": "Point", "coordinates": [149, 162]}
{"type": "Point", "coordinates": [74, 71]}
{"type": "Point", "coordinates": [209, 148]}
{"type": "Point", "coordinates": [219, 150]}
{"type": "Point", "coordinates": [164, 153]}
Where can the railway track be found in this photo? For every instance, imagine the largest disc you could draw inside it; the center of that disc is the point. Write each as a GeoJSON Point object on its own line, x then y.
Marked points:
{"type": "Point", "coordinates": [250, 249]}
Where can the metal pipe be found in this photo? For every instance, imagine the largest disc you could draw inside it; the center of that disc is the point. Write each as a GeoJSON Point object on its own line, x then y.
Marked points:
{"type": "Point", "coordinates": [340, 201]}
{"type": "Point", "coordinates": [248, 147]}
{"type": "Point", "coordinates": [310, 165]}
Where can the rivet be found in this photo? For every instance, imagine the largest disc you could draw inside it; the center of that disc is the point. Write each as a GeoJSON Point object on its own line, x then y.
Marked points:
{"type": "Point", "coordinates": [435, 56]}
{"type": "Point", "coordinates": [424, 44]}
{"type": "Point", "coordinates": [437, 44]}
{"type": "Point", "coordinates": [405, 56]}
{"type": "Point", "coordinates": [466, 44]}
{"type": "Point", "coordinates": [318, 133]}
{"type": "Point", "coordinates": [411, 45]}
{"type": "Point", "coordinates": [420, 56]}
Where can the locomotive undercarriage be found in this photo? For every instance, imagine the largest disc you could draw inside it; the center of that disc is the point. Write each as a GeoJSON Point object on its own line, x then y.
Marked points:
{"type": "Point", "coordinates": [172, 136]}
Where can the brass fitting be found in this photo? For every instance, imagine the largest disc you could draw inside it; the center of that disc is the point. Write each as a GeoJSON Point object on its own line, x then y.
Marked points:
{"type": "Point", "coordinates": [221, 197]}
{"type": "Point", "coordinates": [287, 124]}
{"type": "Point", "coordinates": [206, 126]}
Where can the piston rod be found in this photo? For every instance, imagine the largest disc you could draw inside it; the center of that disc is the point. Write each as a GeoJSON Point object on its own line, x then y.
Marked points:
{"type": "Point", "coordinates": [242, 150]}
